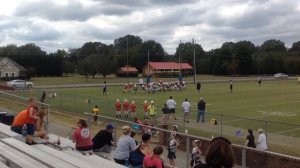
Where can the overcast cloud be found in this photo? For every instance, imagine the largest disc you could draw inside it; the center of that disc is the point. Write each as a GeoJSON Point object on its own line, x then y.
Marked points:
{"type": "Point", "coordinates": [63, 24]}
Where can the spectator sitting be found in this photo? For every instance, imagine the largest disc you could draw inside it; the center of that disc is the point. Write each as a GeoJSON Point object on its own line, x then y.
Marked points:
{"type": "Point", "coordinates": [219, 154]}
{"type": "Point", "coordinates": [136, 157]}
{"type": "Point", "coordinates": [154, 160]}
{"type": "Point", "coordinates": [82, 137]}
{"type": "Point", "coordinates": [103, 140]}
{"type": "Point", "coordinates": [250, 139]}
{"type": "Point", "coordinates": [125, 145]}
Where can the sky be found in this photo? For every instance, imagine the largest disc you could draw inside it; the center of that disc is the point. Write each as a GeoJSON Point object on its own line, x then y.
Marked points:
{"type": "Point", "coordinates": [64, 24]}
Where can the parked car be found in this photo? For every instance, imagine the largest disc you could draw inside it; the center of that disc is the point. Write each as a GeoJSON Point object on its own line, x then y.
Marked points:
{"type": "Point", "coordinates": [280, 76]}
{"type": "Point", "coordinates": [20, 84]}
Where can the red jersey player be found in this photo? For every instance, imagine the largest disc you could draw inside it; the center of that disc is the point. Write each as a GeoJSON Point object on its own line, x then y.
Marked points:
{"type": "Point", "coordinates": [126, 108]}
{"type": "Point", "coordinates": [146, 109]}
{"type": "Point", "coordinates": [132, 107]}
{"type": "Point", "coordinates": [118, 106]}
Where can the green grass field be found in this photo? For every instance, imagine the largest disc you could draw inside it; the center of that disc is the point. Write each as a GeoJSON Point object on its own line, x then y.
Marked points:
{"type": "Point", "coordinates": [277, 101]}
{"type": "Point", "coordinates": [274, 107]}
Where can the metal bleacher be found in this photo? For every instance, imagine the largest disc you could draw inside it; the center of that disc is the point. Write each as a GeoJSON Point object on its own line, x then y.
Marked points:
{"type": "Point", "coordinates": [17, 154]}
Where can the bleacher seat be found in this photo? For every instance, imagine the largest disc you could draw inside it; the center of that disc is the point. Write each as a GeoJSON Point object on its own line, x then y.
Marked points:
{"type": "Point", "coordinates": [17, 158]}
{"type": "Point", "coordinates": [5, 129]}
{"type": "Point", "coordinates": [64, 142]}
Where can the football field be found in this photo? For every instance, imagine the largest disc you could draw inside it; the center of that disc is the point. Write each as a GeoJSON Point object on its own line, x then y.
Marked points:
{"type": "Point", "coordinates": [248, 106]}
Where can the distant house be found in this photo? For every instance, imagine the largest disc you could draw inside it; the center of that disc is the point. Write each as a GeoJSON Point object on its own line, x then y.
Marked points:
{"type": "Point", "coordinates": [131, 71]}
{"type": "Point", "coordinates": [9, 69]}
{"type": "Point", "coordinates": [157, 69]}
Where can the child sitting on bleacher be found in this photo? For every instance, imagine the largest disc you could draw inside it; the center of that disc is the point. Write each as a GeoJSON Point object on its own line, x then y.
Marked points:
{"type": "Point", "coordinates": [82, 137]}
{"type": "Point", "coordinates": [31, 120]}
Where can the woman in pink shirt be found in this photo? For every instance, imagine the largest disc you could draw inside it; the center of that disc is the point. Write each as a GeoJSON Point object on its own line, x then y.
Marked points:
{"type": "Point", "coordinates": [154, 161]}
{"type": "Point", "coordinates": [82, 136]}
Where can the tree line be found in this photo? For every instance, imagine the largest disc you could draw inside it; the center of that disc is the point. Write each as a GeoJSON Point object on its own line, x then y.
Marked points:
{"type": "Point", "coordinates": [232, 58]}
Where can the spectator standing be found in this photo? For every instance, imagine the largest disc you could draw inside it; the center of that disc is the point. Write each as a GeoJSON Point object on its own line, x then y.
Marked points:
{"type": "Point", "coordinates": [172, 146]}
{"type": "Point", "coordinates": [82, 137]}
{"type": "Point", "coordinates": [118, 106]}
{"type": "Point", "coordinates": [250, 139]}
{"type": "Point", "coordinates": [125, 145]}
{"type": "Point", "coordinates": [146, 109]}
{"type": "Point", "coordinates": [126, 108]}
{"type": "Point", "coordinates": [95, 111]}
{"type": "Point", "coordinates": [219, 154]}
{"type": "Point", "coordinates": [154, 160]}
{"type": "Point", "coordinates": [103, 140]}
{"type": "Point", "coordinates": [43, 97]}
{"type": "Point", "coordinates": [201, 110]}
{"type": "Point", "coordinates": [166, 112]}
{"type": "Point", "coordinates": [171, 105]}
{"type": "Point", "coordinates": [31, 120]}
{"type": "Point", "coordinates": [198, 86]}
{"type": "Point", "coordinates": [136, 157]}
{"type": "Point", "coordinates": [230, 86]}
{"type": "Point", "coordinates": [262, 140]}
{"type": "Point", "coordinates": [186, 108]}
{"type": "Point", "coordinates": [132, 107]}
{"type": "Point", "coordinates": [104, 88]}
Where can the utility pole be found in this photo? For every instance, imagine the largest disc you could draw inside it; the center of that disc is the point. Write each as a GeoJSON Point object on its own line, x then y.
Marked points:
{"type": "Point", "coordinates": [194, 61]}
{"type": "Point", "coordinates": [148, 68]}
{"type": "Point", "coordinates": [180, 70]}
{"type": "Point", "coordinates": [127, 59]}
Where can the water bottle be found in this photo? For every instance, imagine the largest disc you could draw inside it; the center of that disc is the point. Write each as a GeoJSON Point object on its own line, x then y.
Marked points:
{"type": "Point", "coordinates": [126, 163]}
{"type": "Point", "coordinates": [24, 130]}
{"type": "Point", "coordinates": [58, 141]}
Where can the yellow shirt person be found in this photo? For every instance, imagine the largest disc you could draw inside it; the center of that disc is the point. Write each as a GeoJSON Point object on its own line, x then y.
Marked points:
{"type": "Point", "coordinates": [96, 112]}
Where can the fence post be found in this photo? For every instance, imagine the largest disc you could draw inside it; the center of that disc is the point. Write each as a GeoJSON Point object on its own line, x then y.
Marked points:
{"type": "Point", "coordinates": [221, 125]}
{"type": "Point", "coordinates": [115, 131]}
{"type": "Point", "coordinates": [187, 150]}
{"type": "Point", "coordinates": [74, 101]}
{"type": "Point", "coordinates": [89, 120]}
{"type": "Point", "coordinates": [48, 116]}
{"type": "Point", "coordinates": [244, 158]}
{"type": "Point", "coordinates": [60, 97]}
{"type": "Point", "coordinates": [267, 131]}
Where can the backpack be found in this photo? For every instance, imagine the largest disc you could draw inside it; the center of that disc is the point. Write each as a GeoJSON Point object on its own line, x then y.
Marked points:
{"type": "Point", "coordinates": [136, 157]}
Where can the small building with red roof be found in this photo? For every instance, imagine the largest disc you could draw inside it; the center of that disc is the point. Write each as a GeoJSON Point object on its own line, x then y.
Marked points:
{"type": "Point", "coordinates": [131, 71]}
{"type": "Point", "coordinates": [157, 69]}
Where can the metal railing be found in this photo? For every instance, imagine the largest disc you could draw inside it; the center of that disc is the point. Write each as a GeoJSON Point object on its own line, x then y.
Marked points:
{"type": "Point", "coordinates": [245, 157]}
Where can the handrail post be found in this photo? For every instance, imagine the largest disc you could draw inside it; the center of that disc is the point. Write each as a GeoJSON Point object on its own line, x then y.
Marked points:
{"type": "Point", "coordinates": [187, 163]}
{"type": "Point", "coordinates": [243, 158]}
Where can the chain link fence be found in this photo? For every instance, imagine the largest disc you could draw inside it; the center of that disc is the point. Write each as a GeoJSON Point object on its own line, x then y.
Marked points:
{"type": "Point", "coordinates": [281, 137]}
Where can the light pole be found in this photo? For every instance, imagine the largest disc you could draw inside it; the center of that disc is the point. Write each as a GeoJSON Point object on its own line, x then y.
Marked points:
{"type": "Point", "coordinates": [194, 61]}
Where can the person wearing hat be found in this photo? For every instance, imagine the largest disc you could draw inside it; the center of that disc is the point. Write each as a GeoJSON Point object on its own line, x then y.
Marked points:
{"type": "Point", "coordinates": [261, 140]}
{"type": "Point", "coordinates": [125, 145]}
{"type": "Point", "coordinates": [201, 110]}
{"type": "Point", "coordinates": [103, 140]}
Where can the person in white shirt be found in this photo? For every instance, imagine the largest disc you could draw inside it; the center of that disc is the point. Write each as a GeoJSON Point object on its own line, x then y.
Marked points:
{"type": "Point", "coordinates": [171, 105]}
{"type": "Point", "coordinates": [261, 140]}
{"type": "Point", "coordinates": [186, 108]}
{"type": "Point", "coordinates": [141, 82]}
